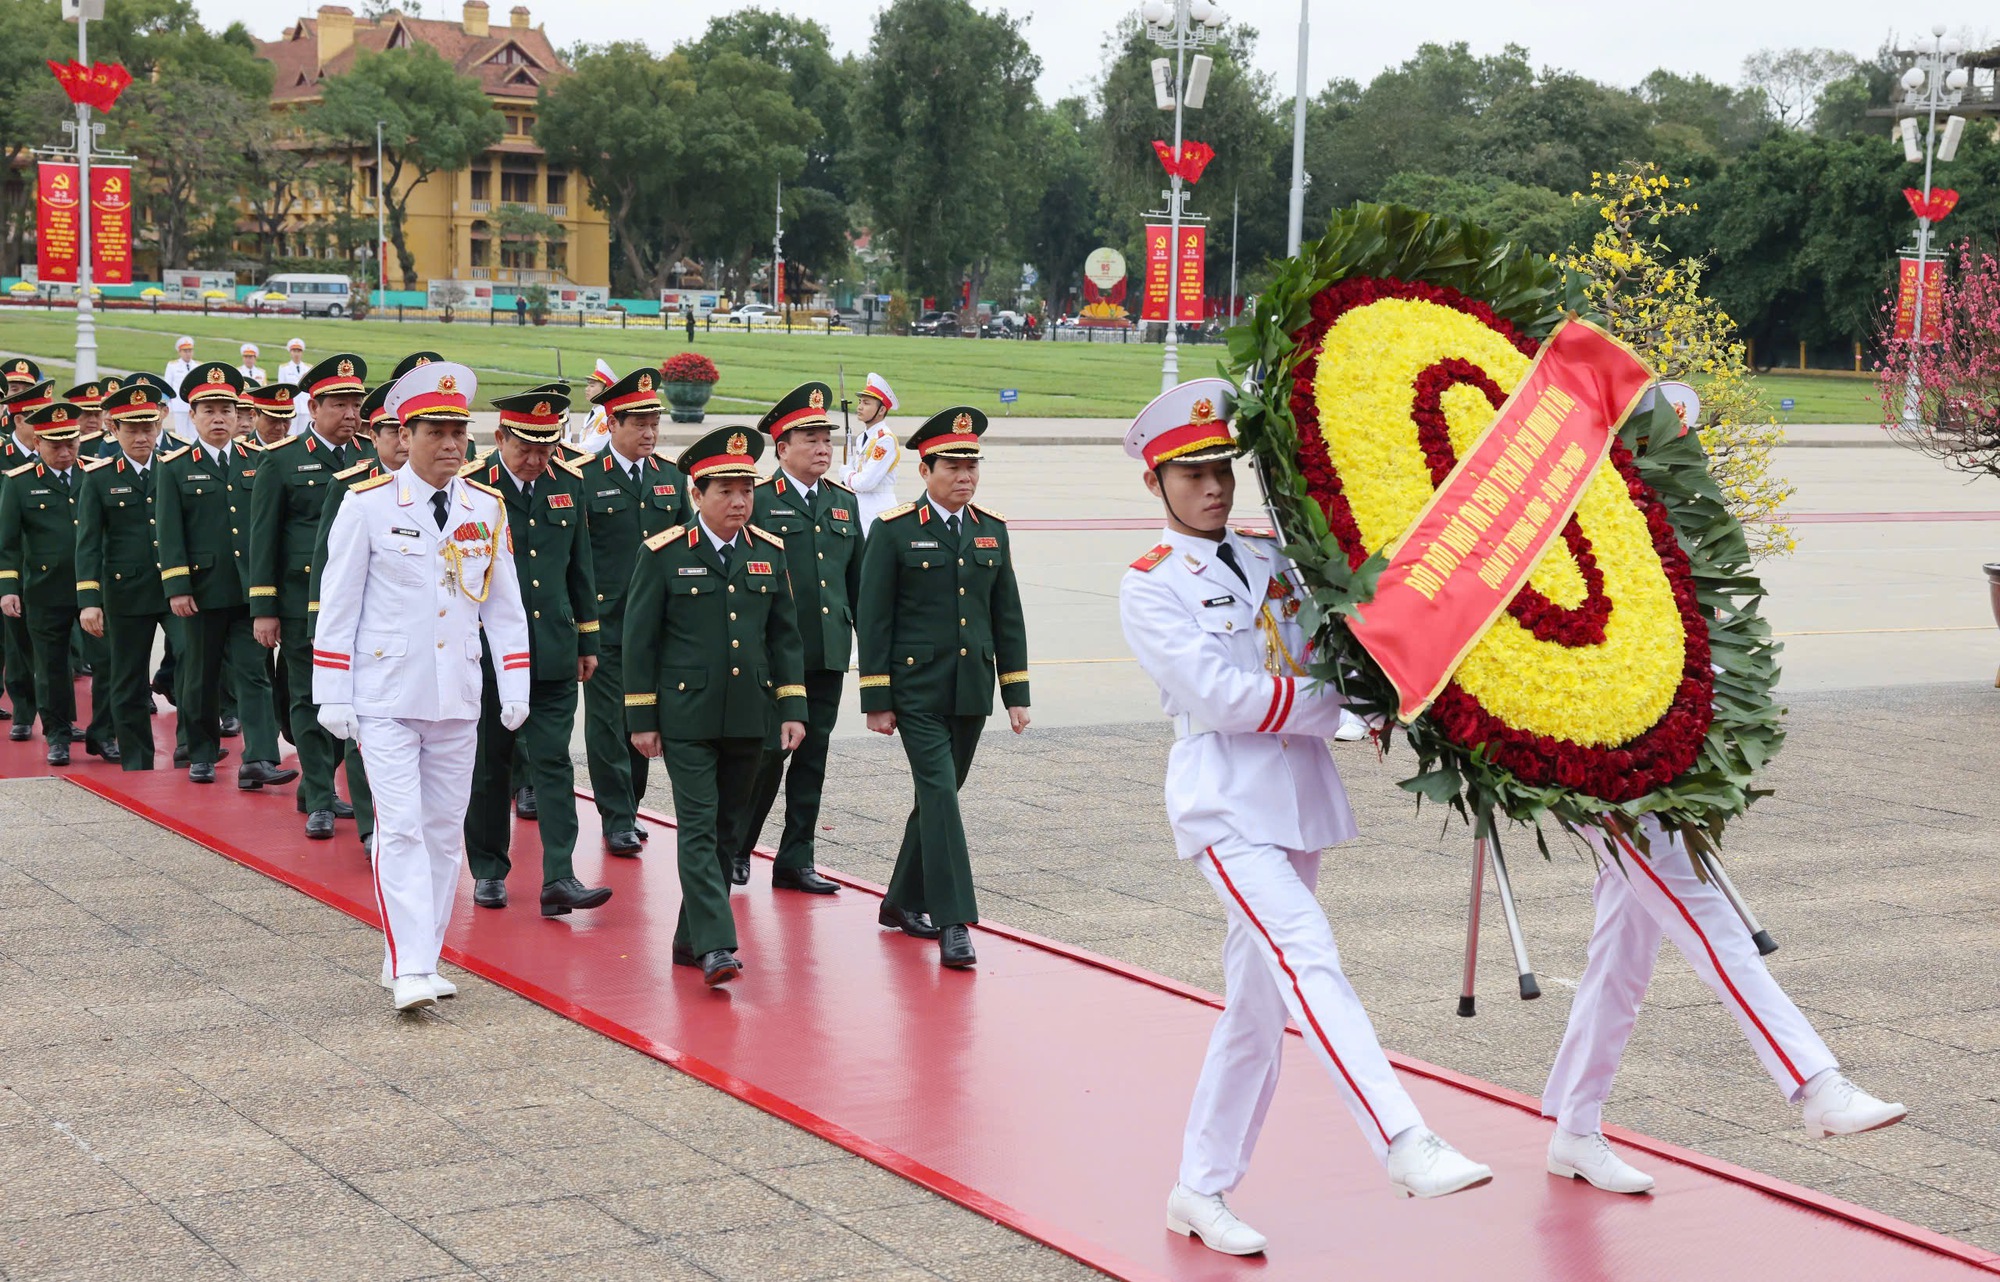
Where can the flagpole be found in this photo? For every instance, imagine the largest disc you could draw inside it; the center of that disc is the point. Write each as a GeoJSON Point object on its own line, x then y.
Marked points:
{"type": "Point", "coordinates": [86, 323]}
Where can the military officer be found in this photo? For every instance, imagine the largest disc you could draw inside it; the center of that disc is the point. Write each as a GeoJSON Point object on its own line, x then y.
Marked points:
{"type": "Point", "coordinates": [272, 407]}
{"type": "Point", "coordinates": [939, 617]}
{"type": "Point", "coordinates": [631, 496]}
{"type": "Point", "coordinates": [544, 497]}
{"type": "Point", "coordinates": [92, 441]}
{"type": "Point", "coordinates": [293, 371]}
{"type": "Point", "coordinates": [286, 506]}
{"type": "Point", "coordinates": [820, 524]}
{"type": "Point", "coordinates": [25, 390]}
{"type": "Point", "coordinates": [871, 472]}
{"type": "Point", "coordinates": [253, 373]}
{"type": "Point", "coordinates": [200, 500]}
{"type": "Point", "coordinates": [417, 360]}
{"type": "Point", "coordinates": [417, 570]}
{"type": "Point", "coordinates": [705, 706]}
{"type": "Point", "coordinates": [181, 422]}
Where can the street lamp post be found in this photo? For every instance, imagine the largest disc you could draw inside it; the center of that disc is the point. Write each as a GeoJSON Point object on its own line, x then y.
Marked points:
{"type": "Point", "coordinates": [1296, 218]}
{"type": "Point", "coordinates": [86, 321]}
{"type": "Point", "coordinates": [381, 236]}
{"type": "Point", "coordinates": [1178, 24]}
{"type": "Point", "coordinates": [1936, 81]}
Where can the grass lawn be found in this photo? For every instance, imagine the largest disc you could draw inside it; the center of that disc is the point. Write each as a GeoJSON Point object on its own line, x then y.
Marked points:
{"type": "Point", "coordinates": [1066, 380]}
{"type": "Point", "coordinates": [1056, 380]}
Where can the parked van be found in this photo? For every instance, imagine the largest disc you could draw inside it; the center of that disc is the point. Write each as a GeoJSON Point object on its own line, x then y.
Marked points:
{"type": "Point", "coordinates": [315, 295]}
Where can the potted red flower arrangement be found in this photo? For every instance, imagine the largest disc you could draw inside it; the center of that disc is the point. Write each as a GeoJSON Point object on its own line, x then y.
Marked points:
{"type": "Point", "coordinates": [689, 379]}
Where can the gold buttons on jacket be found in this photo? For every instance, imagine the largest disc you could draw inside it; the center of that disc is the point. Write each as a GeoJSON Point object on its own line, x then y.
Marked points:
{"type": "Point", "coordinates": [824, 610]}
{"type": "Point", "coordinates": [736, 672]}
{"type": "Point", "coordinates": [961, 623]}
{"type": "Point", "coordinates": [734, 644]}
{"type": "Point", "coordinates": [732, 587]}
{"type": "Point", "coordinates": [534, 583]}
{"type": "Point", "coordinates": [682, 686]}
{"type": "Point", "coordinates": [961, 652]}
{"type": "Point", "coordinates": [538, 614]}
{"type": "Point", "coordinates": [910, 661]}
{"type": "Point", "coordinates": [440, 645]}
{"type": "Point", "coordinates": [732, 616]}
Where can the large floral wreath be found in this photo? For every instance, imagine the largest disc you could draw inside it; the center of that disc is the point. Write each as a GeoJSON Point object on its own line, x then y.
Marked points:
{"type": "Point", "coordinates": [1632, 673]}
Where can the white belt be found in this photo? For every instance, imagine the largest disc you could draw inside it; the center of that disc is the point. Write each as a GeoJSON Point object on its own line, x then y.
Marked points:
{"type": "Point", "coordinates": [1186, 727]}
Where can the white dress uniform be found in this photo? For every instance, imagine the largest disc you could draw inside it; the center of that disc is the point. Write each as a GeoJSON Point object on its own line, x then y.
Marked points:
{"type": "Point", "coordinates": [596, 431]}
{"type": "Point", "coordinates": [403, 599]}
{"type": "Point", "coordinates": [871, 473]}
{"type": "Point", "coordinates": [294, 372]}
{"type": "Point", "coordinates": [253, 374]}
{"type": "Point", "coordinates": [178, 422]}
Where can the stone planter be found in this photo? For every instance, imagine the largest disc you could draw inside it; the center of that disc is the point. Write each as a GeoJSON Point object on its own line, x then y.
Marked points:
{"type": "Point", "coordinates": [687, 399]}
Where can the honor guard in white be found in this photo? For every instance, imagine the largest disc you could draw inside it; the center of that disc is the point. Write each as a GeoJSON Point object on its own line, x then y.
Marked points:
{"type": "Point", "coordinates": [293, 371]}
{"type": "Point", "coordinates": [596, 431]}
{"type": "Point", "coordinates": [253, 373]}
{"type": "Point", "coordinates": [871, 468]}
{"type": "Point", "coordinates": [418, 561]}
{"type": "Point", "coordinates": [176, 372]}
{"type": "Point", "coordinates": [1253, 798]}
{"type": "Point", "coordinates": [1648, 890]}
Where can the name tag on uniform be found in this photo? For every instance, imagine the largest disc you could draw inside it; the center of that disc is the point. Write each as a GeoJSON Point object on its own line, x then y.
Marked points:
{"type": "Point", "coordinates": [1220, 600]}
{"type": "Point", "coordinates": [759, 567]}
{"type": "Point", "coordinates": [34, 492]}
{"type": "Point", "coordinates": [199, 476]}
{"type": "Point", "coordinates": [923, 543]}
{"type": "Point", "coordinates": [408, 534]}
{"type": "Point", "coordinates": [308, 467]}
{"type": "Point", "coordinates": [840, 514]}
{"type": "Point", "coordinates": [694, 569]}
{"type": "Point", "coordinates": [561, 500]}
{"type": "Point", "coordinates": [984, 542]}
{"type": "Point", "coordinates": [121, 489]}
{"type": "Point", "coordinates": [605, 494]}
{"type": "Point", "coordinates": [663, 490]}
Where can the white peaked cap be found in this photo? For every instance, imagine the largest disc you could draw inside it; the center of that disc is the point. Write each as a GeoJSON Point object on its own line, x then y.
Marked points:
{"type": "Point", "coordinates": [1186, 424]}
{"type": "Point", "coordinates": [441, 389]}
{"type": "Point", "coordinates": [878, 387]}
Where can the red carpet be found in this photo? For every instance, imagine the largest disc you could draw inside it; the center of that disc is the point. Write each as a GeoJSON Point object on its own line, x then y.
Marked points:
{"type": "Point", "coordinates": [1047, 1089]}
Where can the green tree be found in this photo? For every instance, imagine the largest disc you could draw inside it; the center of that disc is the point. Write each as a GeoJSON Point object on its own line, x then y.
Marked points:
{"type": "Point", "coordinates": [1696, 116]}
{"type": "Point", "coordinates": [1536, 219]}
{"type": "Point", "coordinates": [1792, 80]}
{"type": "Point", "coordinates": [434, 121]}
{"type": "Point", "coordinates": [942, 131]}
{"type": "Point", "coordinates": [164, 39]}
{"type": "Point", "coordinates": [1557, 130]}
{"type": "Point", "coordinates": [32, 107]}
{"type": "Point", "coordinates": [188, 135]}
{"type": "Point", "coordinates": [1064, 226]}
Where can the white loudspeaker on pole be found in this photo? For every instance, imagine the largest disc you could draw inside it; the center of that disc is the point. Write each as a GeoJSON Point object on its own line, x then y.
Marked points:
{"type": "Point", "coordinates": [1954, 129]}
{"type": "Point", "coordinates": [1197, 85]}
{"type": "Point", "coordinates": [1912, 150]}
{"type": "Point", "coordinates": [1163, 84]}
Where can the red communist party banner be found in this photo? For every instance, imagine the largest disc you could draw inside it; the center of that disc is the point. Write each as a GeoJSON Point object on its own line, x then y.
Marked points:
{"type": "Point", "coordinates": [58, 222]}
{"type": "Point", "coordinates": [111, 225]}
{"type": "Point", "coordinates": [1906, 297]}
{"type": "Point", "coordinates": [1190, 264]}
{"type": "Point", "coordinates": [1472, 547]}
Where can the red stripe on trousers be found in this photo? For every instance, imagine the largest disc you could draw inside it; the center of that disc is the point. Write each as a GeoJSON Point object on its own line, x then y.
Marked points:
{"type": "Point", "coordinates": [1714, 960]}
{"type": "Point", "coordinates": [1277, 695]}
{"type": "Point", "coordinates": [382, 905]}
{"type": "Point", "coordinates": [1311, 1018]}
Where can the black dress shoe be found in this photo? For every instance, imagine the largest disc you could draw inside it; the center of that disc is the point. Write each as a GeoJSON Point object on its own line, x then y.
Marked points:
{"type": "Point", "coordinates": [342, 809]}
{"type": "Point", "coordinates": [58, 754]}
{"type": "Point", "coordinates": [915, 925]}
{"type": "Point", "coordinates": [108, 751]}
{"type": "Point", "coordinates": [805, 879]}
{"type": "Point", "coordinates": [6, 715]}
{"type": "Point", "coordinates": [684, 956]}
{"type": "Point", "coordinates": [524, 804]}
{"type": "Point", "coordinates": [201, 772]}
{"type": "Point", "coordinates": [252, 775]}
{"type": "Point", "coordinates": [20, 731]}
{"type": "Point", "coordinates": [739, 871]}
{"type": "Point", "coordinates": [231, 727]}
{"type": "Point", "coordinates": [623, 844]}
{"type": "Point", "coordinates": [319, 825]}
{"type": "Point", "coordinates": [161, 687]}
{"type": "Point", "coordinates": [719, 967]}
{"type": "Point", "coordinates": [645, 833]}
{"type": "Point", "coordinates": [568, 894]}
{"type": "Point", "coordinates": [489, 892]}
{"type": "Point", "coordinates": [955, 948]}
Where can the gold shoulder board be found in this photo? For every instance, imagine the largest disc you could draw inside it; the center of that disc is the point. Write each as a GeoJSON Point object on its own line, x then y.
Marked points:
{"type": "Point", "coordinates": [767, 536]}
{"type": "Point", "coordinates": [895, 512]}
{"type": "Point", "coordinates": [372, 483]}
{"type": "Point", "coordinates": [665, 537]}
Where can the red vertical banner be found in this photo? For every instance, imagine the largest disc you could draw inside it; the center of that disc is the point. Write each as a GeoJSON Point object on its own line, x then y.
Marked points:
{"type": "Point", "coordinates": [111, 225]}
{"type": "Point", "coordinates": [58, 222]}
{"type": "Point", "coordinates": [778, 283]}
{"type": "Point", "coordinates": [1159, 262]}
{"type": "Point", "coordinates": [1906, 297]}
{"type": "Point", "coordinates": [1192, 265]}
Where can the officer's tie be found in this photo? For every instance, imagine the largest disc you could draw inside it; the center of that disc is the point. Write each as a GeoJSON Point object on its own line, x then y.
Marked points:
{"type": "Point", "coordinates": [1228, 556]}
{"type": "Point", "coordinates": [438, 504]}
{"type": "Point", "coordinates": [339, 457]}
{"type": "Point", "coordinates": [722, 554]}
{"type": "Point", "coordinates": [638, 474]}
{"type": "Point", "coordinates": [951, 523]}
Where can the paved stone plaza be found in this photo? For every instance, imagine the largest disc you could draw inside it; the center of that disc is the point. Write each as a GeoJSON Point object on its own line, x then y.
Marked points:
{"type": "Point", "coordinates": [199, 1076]}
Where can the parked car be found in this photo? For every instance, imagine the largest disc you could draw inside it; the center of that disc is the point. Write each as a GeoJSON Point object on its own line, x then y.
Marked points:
{"type": "Point", "coordinates": [941, 324]}
{"type": "Point", "coordinates": [748, 314]}
{"type": "Point", "coordinates": [316, 294]}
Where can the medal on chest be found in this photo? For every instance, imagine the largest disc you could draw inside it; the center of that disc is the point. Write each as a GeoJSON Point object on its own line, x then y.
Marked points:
{"type": "Point", "coordinates": [471, 541]}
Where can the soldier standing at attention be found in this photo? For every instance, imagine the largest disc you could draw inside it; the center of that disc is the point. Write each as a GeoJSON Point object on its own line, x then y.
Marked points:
{"type": "Point", "coordinates": [417, 571]}
{"type": "Point", "coordinates": [38, 575]}
{"type": "Point", "coordinates": [940, 614]}
{"type": "Point", "coordinates": [199, 501]}
{"type": "Point", "coordinates": [176, 372]}
{"type": "Point", "coordinates": [543, 495]}
{"type": "Point", "coordinates": [819, 523]}
{"type": "Point", "coordinates": [1253, 797]}
{"type": "Point", "coordinates": [285, 510]}
{"type": "Point", "coordinates": [253, 373]}
{"type": "Point", "coordinates": [631, 496]}
{"type": "Point", "coordinates": [716, 672]}
{"type": "Point", "coordinates": [871, 473]}
{"type": "Point", "coordinates": [293, 371]}
{"type": "Point", "coordinates": [17, 449]}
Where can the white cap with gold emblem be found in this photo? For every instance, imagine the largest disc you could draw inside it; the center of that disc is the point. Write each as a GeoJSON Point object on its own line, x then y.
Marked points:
{"type": "Point", "coordinates": [1186, 424]}
{"type": "Point", "coordinates": [440, 390]}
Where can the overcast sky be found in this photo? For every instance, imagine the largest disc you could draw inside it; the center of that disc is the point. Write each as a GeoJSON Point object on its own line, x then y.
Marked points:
{"type": "Point", "coordinates": [1349, 39]}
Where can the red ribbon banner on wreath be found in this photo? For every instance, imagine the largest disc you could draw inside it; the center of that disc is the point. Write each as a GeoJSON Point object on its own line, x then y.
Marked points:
{"type": "Point", "coordinates": [1942, 201]}
{"type": "Point", "coordinates": [1188, 166]}
{"type": "Point", "coordinates": [1470, 550]}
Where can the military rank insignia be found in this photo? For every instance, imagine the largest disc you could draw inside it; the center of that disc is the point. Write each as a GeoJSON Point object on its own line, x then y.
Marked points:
{"type": "Point", "coordinates": [759, 567]}
{"type": "Point", "coordinates": [561, 500]}
{"type": "Point", "coordinates": [984, 541]}
{"type": "Point", "coordinates": [663, 490]}
{"type": "Point", "coordinates": [1153, 558]}
{"type": "Point", "coordinates": [840, 514]}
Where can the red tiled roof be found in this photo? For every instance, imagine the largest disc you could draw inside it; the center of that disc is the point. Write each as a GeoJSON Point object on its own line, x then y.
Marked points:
{"type": "Point", "coordinates": [295, 54]}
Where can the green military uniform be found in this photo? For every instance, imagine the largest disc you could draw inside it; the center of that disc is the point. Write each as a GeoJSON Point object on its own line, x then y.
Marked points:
{"type": "Point", "coordinates": [26, 391]}
{"type": "Point", "coordinates": [940, 614]}
{"type": "Point", "coordinates": [200, 498]}
{"type": "Point", "coordinates": [715, 665]}
{"type": "Point", "coordinates": [822, 534]}
{"type": "Point", "coordinates": [118, 572]}
{"type": "Point", "coordinates": [38, 563]}
{"type": "Point", "coordinates": [287, 508]}
{"type": "Point", "coordinates": [94, 442]}
{"type": "Point", "coordinates": [624, 510]}
{"type": "Point", "coordinates": [559, 592]}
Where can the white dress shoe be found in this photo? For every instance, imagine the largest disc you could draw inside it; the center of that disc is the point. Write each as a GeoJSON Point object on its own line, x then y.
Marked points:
{"type": "Point", "coordinates": [388, 976]}
{"type": "Point", "coordinates": [412, 991]}
{"type": "Point", "coordinates": [1207, 1217]}
{"type": "Point", "coordinates": [1589, 1157]}
{"type": "Point", "coordinates": [1352, 728]}
{"type": "Point", "coordinates": [442, 987]}
{"type": "Point", "coordinates": [1422, 1165]}
{"type": "Point", "coordinates": [1836, 1106]}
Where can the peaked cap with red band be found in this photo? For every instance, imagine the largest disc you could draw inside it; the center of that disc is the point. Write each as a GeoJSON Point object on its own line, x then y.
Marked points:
{"type": "Point", "coordinates": [727, 451]}
{"type": "Point", "coordinates": [804, 407]}
{"type": "Point", "coordinates": [952, 433]}
{"type": "Point", "coordinates": [878, 387]}
{"type": "Point", "coordinates": [636, 393]}
{"type": "Point", "coordinates": [441, 390]}
{"type": "Point", "coordinates": [536, 415]}
{"type": "Point", "coordinates": [1186, 424]}
{"type": "Point", "coordinates": [88, 395]}
{"type": "Point", "coordinates": [22, 372]}
{"type": "Point", "coordinates": [136, 403]}
{"type": "Point", "coordinates": [341, 374]}
{"type": "Point", "coordinates": [273, 400]}
{"type": "Point", "coordinates": [212, 381]}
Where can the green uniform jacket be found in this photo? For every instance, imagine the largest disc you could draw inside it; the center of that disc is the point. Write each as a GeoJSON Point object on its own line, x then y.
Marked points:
{"type": "Point", "coordinates": [621, 516]}
{"type": "Point", "coordinates": [336, 490]}
{"type": "Point", "coordinates": [552, 561]}
{"type": "Point", "coordinates": [38, 536]}
{"type": "Point", "coordinates": [197, 511]}
{"type": "Point", "coordinates": [940, 616]}
{"type": "Point", "coordinates": [117, 569]}
{"type": "Point", "coordinates": [286, 506]}
{"type": "Point", "coordinates": [12, 455]}
{"type": "Point", "coordinates": [823, 546]}
{"type": "Point", "coordinates": [709, 656]}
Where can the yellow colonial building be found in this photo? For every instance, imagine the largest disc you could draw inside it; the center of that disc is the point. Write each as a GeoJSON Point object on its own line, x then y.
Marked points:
{"type": "Point", "coordinates": [452, 228]}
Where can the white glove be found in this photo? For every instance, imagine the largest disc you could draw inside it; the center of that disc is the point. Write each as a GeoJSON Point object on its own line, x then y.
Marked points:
{"type": "Point", "coordinates": [339, 720]}
{"type": "Point", "coordinates": [513, 714]}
